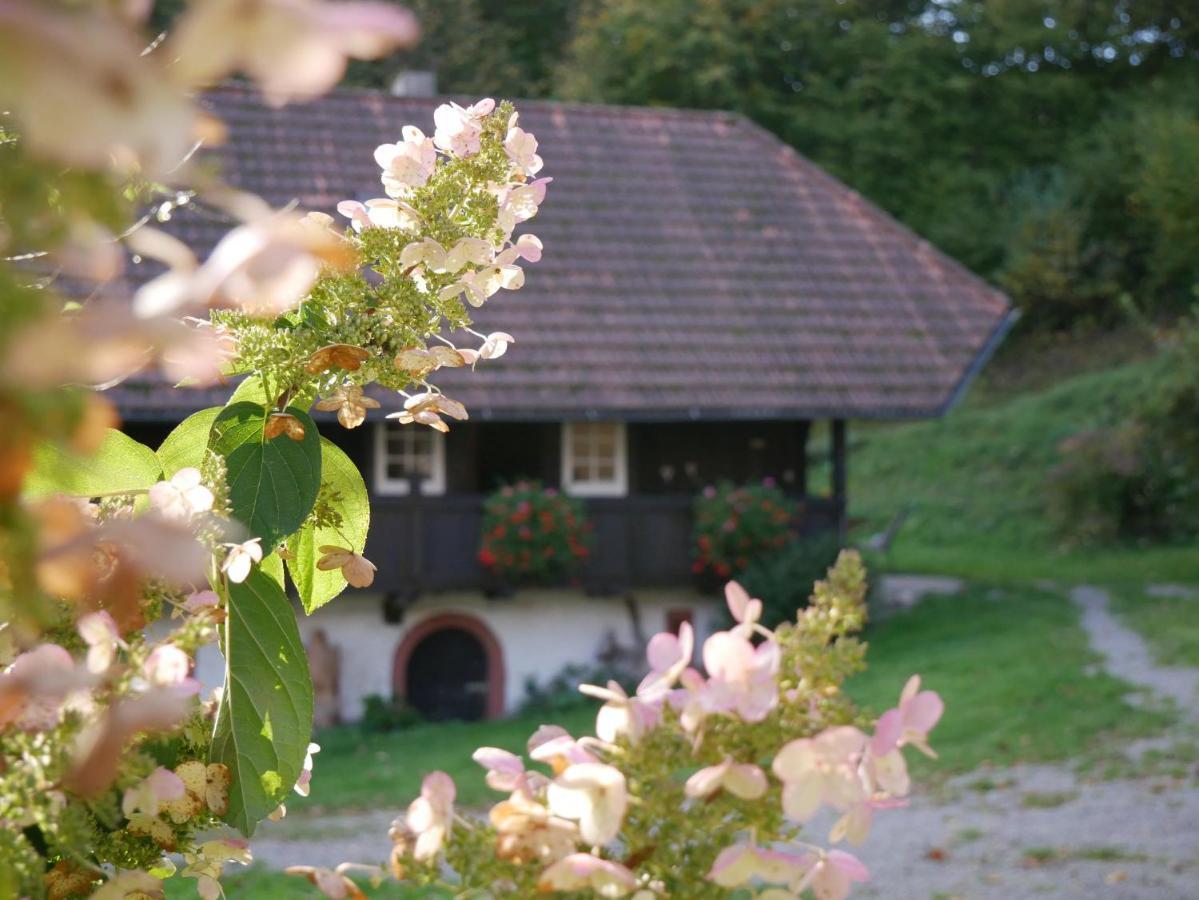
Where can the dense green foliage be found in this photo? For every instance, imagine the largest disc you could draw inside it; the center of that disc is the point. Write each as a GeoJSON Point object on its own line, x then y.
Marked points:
{"type": "Point", "coordinates": [976, 482]}
{"type": "Point", "coordinates": [1043, 144]}
{"type": "Point", "coordinates": [1137, 479]}
{"type": "Point", "coordinates": [381, 715]}
{"type": "Point", "coordinates": [781, 579]}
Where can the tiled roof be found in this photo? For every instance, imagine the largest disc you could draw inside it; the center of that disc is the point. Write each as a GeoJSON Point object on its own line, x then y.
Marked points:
{"type": "Point", "coordinates": [695, 266]}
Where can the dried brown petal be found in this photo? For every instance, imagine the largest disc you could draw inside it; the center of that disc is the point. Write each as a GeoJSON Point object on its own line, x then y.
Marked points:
{"type": "Point", "coordinates": [16, 458]}
{"type": "Point", "coordinates": [68, 880]}
{"type": "Point", "coordinates": [447, 356]}
{"type": "Point", "coordinates": [358, 571]}
{"type": "Point", "coordinates": [156, 829]}
{"type": "Point", "coordinates": [283, 423]}
{"type": "Point", "coordinates": [416, 360]}
{"type": "Point", "coordinates": [328, 882]}
{"type": "Point", "coordinates": [216, 792]}
{"type": "Point", "coordinates": [194, 776]}
{"type": "Point", "coordinates": [451, 407]}
{"type": "Point", "coordinates": [339, 356]}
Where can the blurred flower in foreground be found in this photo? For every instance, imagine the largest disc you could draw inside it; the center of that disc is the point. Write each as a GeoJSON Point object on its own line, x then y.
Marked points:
{"type": "Point", "coordinates": [265, 267]}
{"type": "Point", "coordinates": [83, 93]}
{"type": "Point", "coordinates": [294, 49]}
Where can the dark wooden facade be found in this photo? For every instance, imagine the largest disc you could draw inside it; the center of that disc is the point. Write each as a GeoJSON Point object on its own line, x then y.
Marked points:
{"type": "Point", "coordinates": [430, 543]}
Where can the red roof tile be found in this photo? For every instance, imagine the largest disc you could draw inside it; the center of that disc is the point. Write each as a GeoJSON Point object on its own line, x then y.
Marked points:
{"type": "Point", "coordinates": [695, 266]}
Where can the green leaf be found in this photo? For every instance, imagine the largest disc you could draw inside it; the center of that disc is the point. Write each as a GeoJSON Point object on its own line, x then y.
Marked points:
{"type": "Point", "coordinates": [273, 566]}
{"type": "Point", "coordinates": [341, 477]}
{"type": "Point", "coordinates": [120, 465]}
{"type": "Point", "coordinates": [264, 722]}
{"type": "Point", "coordinates": [272, 484]}
{"type": "Point", "coordinates": [185, 445]}
{"type": "Point", "coordinates": [251, 390]}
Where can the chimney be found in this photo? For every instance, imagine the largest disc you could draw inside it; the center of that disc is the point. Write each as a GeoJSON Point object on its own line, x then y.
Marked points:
{"type": "Point", "coordinates": [414, 83]}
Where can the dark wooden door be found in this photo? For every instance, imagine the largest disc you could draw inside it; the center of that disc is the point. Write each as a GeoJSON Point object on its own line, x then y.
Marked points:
{"type": "Point", "coordinates": [447, 676]}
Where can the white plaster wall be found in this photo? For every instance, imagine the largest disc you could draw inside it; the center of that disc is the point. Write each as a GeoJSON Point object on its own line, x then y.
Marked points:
{"type": "Point", "coordinates": [539, 632]}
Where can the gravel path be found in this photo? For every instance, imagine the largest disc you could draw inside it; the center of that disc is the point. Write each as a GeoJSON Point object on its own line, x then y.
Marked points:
{"type": "Point", "coordinates": [1127, 657]}
{"type": "Point", "coordinates": [1025, 832]}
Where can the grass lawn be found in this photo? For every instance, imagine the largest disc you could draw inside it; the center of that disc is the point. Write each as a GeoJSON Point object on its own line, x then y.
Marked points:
{"type": "Point", "coordinates": [975, 483]}
{"type": "Point", "coordinates": [360, 771]}
{"type": "Point", "coordinates": [1169, 624]}
{"type": "Point", "coordinates": [1011, 664]}
{"type": "Point", "coordinates": [259, 883]}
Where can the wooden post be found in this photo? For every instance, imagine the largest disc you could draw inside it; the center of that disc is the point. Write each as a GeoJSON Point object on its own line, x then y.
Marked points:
{"type": "Point", "coordinates": [416, 538]}
{"type": "Point", "coordinates": [837, 450]}
{"type": "Point", "coordinates": [801, 440]}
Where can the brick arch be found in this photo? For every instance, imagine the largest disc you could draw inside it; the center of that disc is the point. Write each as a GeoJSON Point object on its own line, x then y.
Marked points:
{"type": "Point", "coordinates": [473, 626]}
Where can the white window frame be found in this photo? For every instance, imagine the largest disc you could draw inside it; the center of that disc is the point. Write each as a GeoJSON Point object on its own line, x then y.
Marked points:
{"type": "Point", "coordinates": [618, 486]}
{"type": "Point", "coordinates": [386, 486]}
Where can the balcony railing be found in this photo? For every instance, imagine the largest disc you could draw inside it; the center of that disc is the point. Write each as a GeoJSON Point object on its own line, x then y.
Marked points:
{"type": "Point", "coordinates": [431, 543]}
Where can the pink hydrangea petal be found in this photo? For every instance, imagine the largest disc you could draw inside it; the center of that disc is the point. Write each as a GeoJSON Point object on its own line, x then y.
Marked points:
{"type": "Point", "coordinates": [663, 651]}
{"type": "Point", "coordinates": [886, 733]}
{"type": "Point", "coordinates": [923, 712]}
{"type": "Point", "coordinates": [439, 788]}
{"type": "Point", "coordinates": [738, 599]}
{"type": "Point", "coordinates": [165, 784]}
{"type": "Point", "coordinates": [849, 864]}
{"type": "Point", "coordinates": [498, 760]}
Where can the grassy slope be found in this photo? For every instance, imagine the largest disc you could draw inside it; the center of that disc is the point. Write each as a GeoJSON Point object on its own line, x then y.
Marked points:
{"type": "Point", "coordinates": [975, 480]}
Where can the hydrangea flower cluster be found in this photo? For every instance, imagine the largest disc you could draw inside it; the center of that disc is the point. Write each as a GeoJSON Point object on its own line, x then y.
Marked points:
{"type": "Point", "coordinates": [119, 562]}
{"type": "Point", "coordinates": [700, 783]}
{"type": "Point", "coordinates": [301, 307]}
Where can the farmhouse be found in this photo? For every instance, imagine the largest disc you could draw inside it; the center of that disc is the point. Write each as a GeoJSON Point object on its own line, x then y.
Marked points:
{"type": "Point", "coordinates": [706, 297]}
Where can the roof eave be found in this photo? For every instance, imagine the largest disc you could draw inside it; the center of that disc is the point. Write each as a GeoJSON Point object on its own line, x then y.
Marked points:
{"type": "Point", "coordinates": [990, 345]}
{"type": "Point", "coordinates": [622, 414]}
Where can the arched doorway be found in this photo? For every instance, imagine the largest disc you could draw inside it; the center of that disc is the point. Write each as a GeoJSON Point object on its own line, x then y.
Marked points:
{"type": "Point", "coordinates": [451, 667]}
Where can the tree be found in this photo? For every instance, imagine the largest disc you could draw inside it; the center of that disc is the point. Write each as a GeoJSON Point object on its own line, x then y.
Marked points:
{"type": "Point", "coordinates": [941, 113]}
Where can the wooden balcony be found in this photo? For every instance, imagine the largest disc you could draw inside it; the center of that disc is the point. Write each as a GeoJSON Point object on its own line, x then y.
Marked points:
{"type": "Point", "coordinates": [431, 543]}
